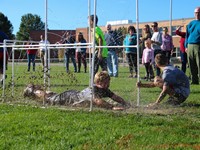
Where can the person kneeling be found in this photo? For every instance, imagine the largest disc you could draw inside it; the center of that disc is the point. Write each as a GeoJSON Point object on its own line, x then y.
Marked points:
{"type": "Point", "coordinates": [173, 83]}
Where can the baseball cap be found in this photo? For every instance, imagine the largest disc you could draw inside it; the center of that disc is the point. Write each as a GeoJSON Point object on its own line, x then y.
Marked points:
{"type": "Point", "coordinates": [197, 9]}
{"type": "Point", "coordinates": [154, 24]}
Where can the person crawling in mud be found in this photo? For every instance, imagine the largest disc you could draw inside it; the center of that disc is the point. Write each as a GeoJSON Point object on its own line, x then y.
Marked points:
{"type": "Point", "coordinates": [74, 97]}
{"type": "Point", "coordinates": [173, 83]}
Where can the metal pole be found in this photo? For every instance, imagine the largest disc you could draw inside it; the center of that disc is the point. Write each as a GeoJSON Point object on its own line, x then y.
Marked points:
{"type": "Point", "coordinates": [4, 66]}
{"type": "Point", "coordinates": [13, 61]}
{"type": "Point", "coordinates": [170, 17]}
{"type": "Point", "coordinates": [93, 53]}
{"type": "Point", "coordinates": [45, 45]}
{"type": "Point", "coordinates": [89, 38]}
{"type": "Point", "coordinates": [138, 58]}
{"type": "Point", "coordinates": [90, 62]}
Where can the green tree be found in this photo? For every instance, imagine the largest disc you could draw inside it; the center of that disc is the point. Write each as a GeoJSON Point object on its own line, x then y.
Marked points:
{"type": "Point", "coordinates": [29, 22]}
{"type": "Point", "coordinates": [6, 26]}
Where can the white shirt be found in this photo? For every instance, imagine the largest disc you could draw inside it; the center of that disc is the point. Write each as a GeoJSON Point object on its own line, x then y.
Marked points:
{"type": "Point", "coordinates": [42, 45]}
{"type": "Point", "coordinates": [156, 37]}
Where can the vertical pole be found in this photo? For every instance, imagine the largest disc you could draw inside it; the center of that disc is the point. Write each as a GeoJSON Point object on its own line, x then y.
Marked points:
{"type": "Point", "coordinates": [138, 58]}
{"type": "Point", "coordinates": [4, 66]}
{"type": "Point", "coordinates": [171, 17]}
{"type": "Point", "coordinates": [13, 61]}
{"type": "Point", "coordinates": [93, 53]}
{"type": "Point", "coordinates": [90, 60]}
{"type": "Point", "coordinates": [46, 52]}
{"type": "Point", "coordinates": [89, 39]}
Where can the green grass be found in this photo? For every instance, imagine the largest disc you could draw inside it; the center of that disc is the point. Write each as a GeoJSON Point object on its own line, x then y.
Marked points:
{"type": "Point", "coordinates": [25, 124]}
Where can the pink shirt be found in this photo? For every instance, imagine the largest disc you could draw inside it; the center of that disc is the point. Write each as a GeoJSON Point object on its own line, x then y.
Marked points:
{"type": "Point", "coordinates": [148, 55]}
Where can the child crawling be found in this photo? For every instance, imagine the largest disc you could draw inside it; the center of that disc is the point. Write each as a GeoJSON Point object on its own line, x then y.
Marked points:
{"type": "Point", "coordinates": [74, 97]}
{"type": "Point", "coordinates": [173, 83]}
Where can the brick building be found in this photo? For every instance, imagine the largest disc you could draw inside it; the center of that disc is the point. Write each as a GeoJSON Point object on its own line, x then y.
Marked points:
{"type": "Point", "coordinates": [53, 35]}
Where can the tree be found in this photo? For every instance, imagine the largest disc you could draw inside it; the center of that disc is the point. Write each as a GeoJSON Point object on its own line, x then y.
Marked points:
{"type": "Point", "coordinates": [6, 26]}
{"type": "Point", "coordinates": [29, 22]}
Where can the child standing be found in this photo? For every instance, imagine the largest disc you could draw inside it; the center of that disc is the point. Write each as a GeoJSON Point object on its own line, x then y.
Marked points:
{"type": "Point", "coordinates": [131, 52]}
{"type": "Point", "coordinates": [148, 59]}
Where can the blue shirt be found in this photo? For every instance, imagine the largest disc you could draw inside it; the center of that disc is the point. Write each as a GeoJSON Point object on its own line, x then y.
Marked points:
{"type": "Point", "coordinates": [193, 33]}
{"type": "Point", "coordinates": [176, 80]}
{"type": "Point", "coordinates": [129, 41]}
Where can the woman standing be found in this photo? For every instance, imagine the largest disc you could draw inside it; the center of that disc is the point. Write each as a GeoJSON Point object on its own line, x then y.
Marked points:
{"type": "Point", "coordinates": [167, 44]}
{"type": "Point", "coordinates": [81, 53]}
{"type": "Point", "coordinates": [131, 52]}
{"type": "Point", "coordinates": [146, 34]}
{"type": "Point", "coordinates": [31, 54]}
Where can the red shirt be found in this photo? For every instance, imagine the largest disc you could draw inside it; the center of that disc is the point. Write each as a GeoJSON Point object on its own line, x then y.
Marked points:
{"type": "Point", "coordinates": [31, 51]}
{"type": "Point", "coordinates": [182, 40]}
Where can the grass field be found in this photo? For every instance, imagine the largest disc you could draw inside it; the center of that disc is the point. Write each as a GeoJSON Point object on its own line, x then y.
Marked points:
{"type": "Point", "coordinates": [26, 124]}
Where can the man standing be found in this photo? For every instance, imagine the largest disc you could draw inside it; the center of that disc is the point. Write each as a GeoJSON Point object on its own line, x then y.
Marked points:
{"type": "Point", "coordinates": [112, 59]}
{"type": "Point", "coordinates": [156, 41]}
{"type": "Point", "coordinates": [70, 52]}
{"type": "Point", "coordinates": [44, 50]}
{"type": "Point", "coordinates": [192, 44]}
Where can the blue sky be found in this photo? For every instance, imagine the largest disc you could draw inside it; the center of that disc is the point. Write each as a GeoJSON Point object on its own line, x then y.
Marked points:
{"type": "Point", "coordinates": [72, 14]}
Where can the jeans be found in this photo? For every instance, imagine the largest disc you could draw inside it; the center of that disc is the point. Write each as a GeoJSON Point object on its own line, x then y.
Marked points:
{"type": "Point", "coordinates": [31, 58]}
{"type": "Point", "coordinates": [183, 61]}
{"type": "Point", "coordinates": [72, 56]}
{"type": "Point", "coordinates": [112, 63]}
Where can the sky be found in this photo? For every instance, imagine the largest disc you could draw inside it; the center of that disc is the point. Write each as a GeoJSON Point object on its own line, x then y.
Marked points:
{"type": "Point", "coordinates": [72, 14]}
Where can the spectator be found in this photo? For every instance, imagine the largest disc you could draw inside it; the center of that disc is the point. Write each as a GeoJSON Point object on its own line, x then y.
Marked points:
{"type": "Point", "coordinates": [146, 34]}
{"type": "Point", "coordinates": [173, 83]}
{"type": "Point", "coordinates": [112, 59]}
{"type": "Point", "coordinates": [31, 54]}
{"type": "Point", "coordinates": [101, 54]}
{"type": "Point", "coordinates": [182, 49]}
{"type": "Point", "coordinates": [156, 41]}
{"type": "Point", "coordinates": [70, 52]}
{"type": "Point", "coordinates": [131, 52]}
{"type": "Point", "coordinates": [43, 51]}
{"type": "Point", "coordinates": [81, 53]}
{"type": "Point", "coordinates": [167, 44]}
{"type": "Point", "coordinates": [148, 60]}
{"type": "Point", "coordinates": [192, 44]}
